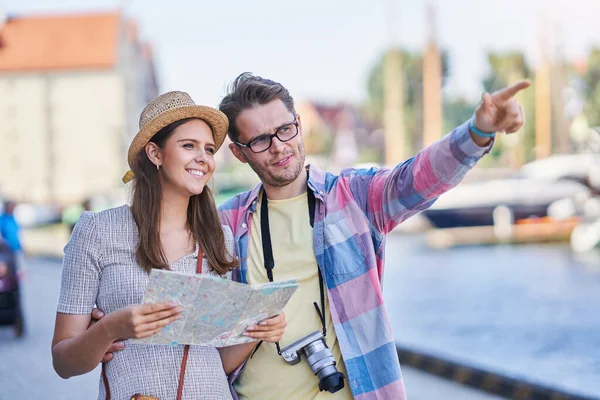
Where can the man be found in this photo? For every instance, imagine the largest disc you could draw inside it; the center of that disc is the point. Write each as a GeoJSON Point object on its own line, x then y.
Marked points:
{"type": "Point", "coordinates": [353, 212]}
{"type": "Point", "coordinates": [341, 242]}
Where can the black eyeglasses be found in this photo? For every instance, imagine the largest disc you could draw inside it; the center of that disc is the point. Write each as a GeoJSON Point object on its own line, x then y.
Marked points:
{"type": "Point", "coordinates": [264, 142]}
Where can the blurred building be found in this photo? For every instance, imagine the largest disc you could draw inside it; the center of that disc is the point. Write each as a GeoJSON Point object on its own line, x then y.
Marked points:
{"type": "Point", "coordinates": [340, 132]}
{"type": "Point", "coordinates": [71, 90]}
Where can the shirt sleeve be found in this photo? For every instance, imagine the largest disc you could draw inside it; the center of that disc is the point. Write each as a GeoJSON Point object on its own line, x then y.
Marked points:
{"type": "Point", "coordinates": [390, 196]}
{"type": "Point", "coordinates": [81, 268]}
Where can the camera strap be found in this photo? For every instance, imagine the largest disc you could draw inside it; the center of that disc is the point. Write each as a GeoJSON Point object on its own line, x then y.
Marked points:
{"type": "Point", "coordinates": [269, 262]}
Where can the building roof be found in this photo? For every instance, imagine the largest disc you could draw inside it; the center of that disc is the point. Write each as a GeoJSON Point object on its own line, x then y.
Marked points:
{"type": "Point", "coordinates": [60, 42]}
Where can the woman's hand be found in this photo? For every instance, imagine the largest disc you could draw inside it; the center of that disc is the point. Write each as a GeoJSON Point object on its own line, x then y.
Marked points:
{"type": "Point", "coordinates": [140, 321]}
{"type": "Point", "coordinates": [268, 330]}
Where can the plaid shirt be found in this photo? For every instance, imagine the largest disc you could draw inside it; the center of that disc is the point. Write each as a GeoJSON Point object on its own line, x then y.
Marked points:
{"type": "Point", "coordinates": [354, 212]}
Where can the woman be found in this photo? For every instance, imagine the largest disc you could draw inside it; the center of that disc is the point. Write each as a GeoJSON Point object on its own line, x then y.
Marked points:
{"type": "Point", "coordinates": [107, 260]}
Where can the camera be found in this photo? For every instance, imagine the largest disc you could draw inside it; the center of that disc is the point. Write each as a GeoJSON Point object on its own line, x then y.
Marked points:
{"type": "Point", "coordinates": [319, 359]}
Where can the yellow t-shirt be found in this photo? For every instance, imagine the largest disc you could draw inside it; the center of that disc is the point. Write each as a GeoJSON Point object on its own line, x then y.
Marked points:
{"type": "Point", "coordinates": [266, 375]}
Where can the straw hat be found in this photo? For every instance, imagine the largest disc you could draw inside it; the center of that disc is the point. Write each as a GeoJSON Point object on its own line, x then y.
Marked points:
{"type": "Point", "coordinates": [166, 109]}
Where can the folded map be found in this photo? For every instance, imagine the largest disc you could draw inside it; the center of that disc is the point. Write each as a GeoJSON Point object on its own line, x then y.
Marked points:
{"type": "Point", "coordinates": [216, 311]}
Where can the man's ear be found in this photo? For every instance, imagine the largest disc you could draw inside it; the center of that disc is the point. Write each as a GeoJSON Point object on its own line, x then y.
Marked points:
{"type": "Point", "coordinates": [153, 153]}
{"type": "Point", "coordinates": [300, 125]}
{"type": "Point", "coordinates": [237, 152]}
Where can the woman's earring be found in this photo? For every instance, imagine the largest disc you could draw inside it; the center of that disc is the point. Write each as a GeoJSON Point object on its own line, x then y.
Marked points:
{"type": "Point", "coordinates": [157, 167]}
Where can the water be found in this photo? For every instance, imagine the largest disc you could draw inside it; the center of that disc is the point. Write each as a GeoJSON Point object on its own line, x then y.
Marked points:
{"type": "Point", "coordinates": [529, 312]}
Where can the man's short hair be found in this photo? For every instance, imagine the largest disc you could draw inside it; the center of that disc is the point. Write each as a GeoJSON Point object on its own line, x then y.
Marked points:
{"type": "Point", "coordinates": [248, 91]}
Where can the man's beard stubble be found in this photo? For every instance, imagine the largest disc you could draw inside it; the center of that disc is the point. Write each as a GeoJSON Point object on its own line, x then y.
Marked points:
{"type": "Point", "coordinates": [287, 177]}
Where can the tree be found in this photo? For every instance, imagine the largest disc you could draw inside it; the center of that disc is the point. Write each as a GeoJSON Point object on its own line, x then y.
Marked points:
{"type": "Point", "coordinates": [592, 88]}
{"type": "Point", "coordinates": [456, 112]}
{"type": "Point", "coordinates": [412, 67]}
{"type": "Point", "coordinates": [506, 69]}
{"type": "Point", "coordinates": [503, 67]}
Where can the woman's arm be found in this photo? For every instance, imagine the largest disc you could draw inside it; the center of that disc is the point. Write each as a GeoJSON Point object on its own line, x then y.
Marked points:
{"type": "Point", "coordinates": [77, 349]}
{"type": "Point", "coordinates": [73, 350]}
{"type": "Point", "coordinates": [269, 330]}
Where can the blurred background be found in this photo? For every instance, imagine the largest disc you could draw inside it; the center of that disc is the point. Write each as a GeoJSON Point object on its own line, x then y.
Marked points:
{"type": "Point", "coordinates": [501, 275]}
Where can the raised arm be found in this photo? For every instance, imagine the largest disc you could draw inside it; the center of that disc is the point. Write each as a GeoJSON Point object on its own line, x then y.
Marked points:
{"type": "Point", "coordinates": [390, 196]}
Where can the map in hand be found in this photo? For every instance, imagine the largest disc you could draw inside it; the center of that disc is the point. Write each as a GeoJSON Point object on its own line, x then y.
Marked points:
{"type": "Point", "coordinates": [216, 311]}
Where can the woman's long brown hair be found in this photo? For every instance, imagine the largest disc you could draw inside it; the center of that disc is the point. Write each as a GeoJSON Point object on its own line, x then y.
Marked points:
{"type": "Point", "coordinates": [202, 217]}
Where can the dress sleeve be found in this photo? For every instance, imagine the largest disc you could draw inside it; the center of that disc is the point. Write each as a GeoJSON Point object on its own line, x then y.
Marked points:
{"type": "Point", "coordinates": [81, 268]}
{"type": "Point", "coordinates": [229, 245]}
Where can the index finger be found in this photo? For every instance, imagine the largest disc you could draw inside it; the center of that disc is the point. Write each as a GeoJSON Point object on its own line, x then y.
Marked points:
{"type": "Point", "coordinates": [508, 92]}
{"type": "Point", "coordinates": [156, 307]}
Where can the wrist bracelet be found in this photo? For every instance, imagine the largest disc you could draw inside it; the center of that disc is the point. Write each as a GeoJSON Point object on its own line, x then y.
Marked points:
{"type": "Point", "coordinates": [478, 132]}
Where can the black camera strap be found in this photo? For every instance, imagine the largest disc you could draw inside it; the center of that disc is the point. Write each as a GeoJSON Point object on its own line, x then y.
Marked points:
{"type": "Point", "coordinates": [269, 262]}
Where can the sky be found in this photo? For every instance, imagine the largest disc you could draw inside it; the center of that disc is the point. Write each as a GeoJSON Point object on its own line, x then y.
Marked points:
{"type": "Point", "coordinates": [323, 50]}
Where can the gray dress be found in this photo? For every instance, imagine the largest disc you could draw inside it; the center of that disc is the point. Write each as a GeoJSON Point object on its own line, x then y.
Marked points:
{"type": "Point", "coordinates": [100, 268]}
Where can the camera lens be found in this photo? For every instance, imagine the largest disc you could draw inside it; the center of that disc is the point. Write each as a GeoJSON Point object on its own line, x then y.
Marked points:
{"type": "Point", "coordinates": [322, 364]}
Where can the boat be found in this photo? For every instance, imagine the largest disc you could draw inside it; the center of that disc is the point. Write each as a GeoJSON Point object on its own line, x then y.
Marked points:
{"type": "Point", "coordinates": [528, 193]}
{"type": "Point", "coordinates": [473, 204]}
{"type": "Point", "coordinates": [582, 168]}
{"type": "Point", "coordinates": [586, 236]}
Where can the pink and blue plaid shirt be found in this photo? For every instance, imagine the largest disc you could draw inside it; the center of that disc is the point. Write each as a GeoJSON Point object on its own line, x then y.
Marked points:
{"type": "Point", "coordinates": [354, 212]}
